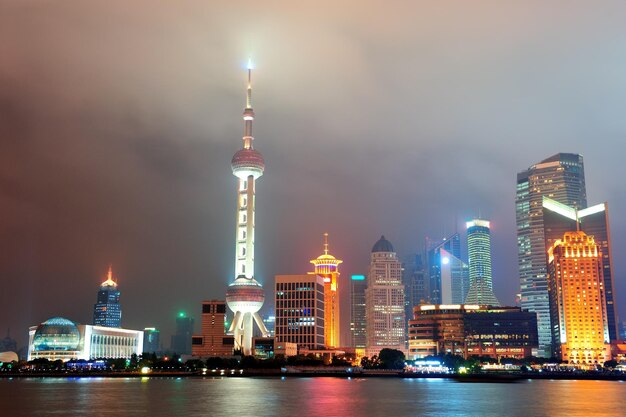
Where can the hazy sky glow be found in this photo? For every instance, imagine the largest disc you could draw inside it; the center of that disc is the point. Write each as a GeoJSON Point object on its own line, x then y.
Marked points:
{"type": "Point", "coordinates": [118, 121]}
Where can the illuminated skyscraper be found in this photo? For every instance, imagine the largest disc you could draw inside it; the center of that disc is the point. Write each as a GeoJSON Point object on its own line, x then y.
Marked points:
{"type": "Point", "coordinates": [327, 267]}
{"type": "Point", "coordinates": [245, 296]}
{"type": "Point", "coordinates": [357, 311]}
{"type": "Point", "coordinates": [479, 254]}
{"type": "Point", "coordinates": [562, 178]}
{"type": "Point", "coordinates": [580, 333]}
{"type": "Point", "coordinates": [594, 221]}
{"type": "Point", "coordinates": [449, 275]}
{"type": "Point", "coordinates": [384, 300]}
{"type": "Point", "coordinates": [107, 311]}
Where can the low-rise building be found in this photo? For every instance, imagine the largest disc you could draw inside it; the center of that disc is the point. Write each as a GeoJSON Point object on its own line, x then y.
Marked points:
{"type": "Point", "coordinates": [212, 341]}
{"type": "Point", "coordinates": [60, 338]}
{"type": "Point", "coordinates": [469, 330]}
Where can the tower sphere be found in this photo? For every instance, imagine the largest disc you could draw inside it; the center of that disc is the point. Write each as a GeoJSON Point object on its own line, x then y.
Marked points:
{"type": "Point", "coordinates": [245, 295]}
{"type": "Point", "coordinates": [248, 162]}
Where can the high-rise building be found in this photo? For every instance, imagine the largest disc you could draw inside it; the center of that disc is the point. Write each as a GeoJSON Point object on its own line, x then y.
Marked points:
{"type": "Point", "coordinates": [181, 341]}
{"type": "Point", "coordinates": [107, 311]}
{"type": "Point", "coordinates": [245, 296]}
{"type": "Point", "coordinates": [212, 340]}
{"type": "Point", "coordinates": [580, 332]}
{"type": "Point", "coordinates": [327, 267]}
{"type": "Point", "coordinates": [384, 300]}
{"type": "Point", "coordinates": [562, 178]}
{"type": "Point", "coordinates": [299, 308]}
{"type": "Point", "coordinates": [479, 255]}
{"type": "Point", "coordinates": [151, 340]}
{"type": "Point", "coordinates": [357, 311]}
{"type": "Point", "coordinates": [414, 277]}
{"type": "Point", "coordinates": [448, 274]}
{"type": "Point", "coordinates": [559, 218]}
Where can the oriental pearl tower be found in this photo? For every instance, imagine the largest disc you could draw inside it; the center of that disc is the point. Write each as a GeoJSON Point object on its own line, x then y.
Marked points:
{"type": "Point", "coordinates": [245, 296]}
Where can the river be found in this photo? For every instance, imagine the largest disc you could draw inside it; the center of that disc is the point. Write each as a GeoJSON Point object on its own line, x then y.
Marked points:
{"type": "Point", "coordinates": [303, 397]}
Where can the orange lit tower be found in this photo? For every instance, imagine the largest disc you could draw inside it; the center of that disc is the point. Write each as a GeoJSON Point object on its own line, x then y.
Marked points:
{"type": "Point", "coordinates": [327, 266]}
{"type": "Point", "coordinates": [245, 296]}
{"type": "Point", "coordinates": [580, 332]}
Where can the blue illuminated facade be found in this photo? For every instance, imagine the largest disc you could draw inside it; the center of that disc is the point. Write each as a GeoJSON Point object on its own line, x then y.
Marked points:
{"type": "Point", "coordinates": [107, 311]}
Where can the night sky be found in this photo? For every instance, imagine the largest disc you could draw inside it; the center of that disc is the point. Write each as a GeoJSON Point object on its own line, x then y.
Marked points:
{"type": "Point", "coordinates": [118, 121]}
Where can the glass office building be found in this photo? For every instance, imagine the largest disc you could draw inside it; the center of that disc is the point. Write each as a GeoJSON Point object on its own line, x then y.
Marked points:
{"type": "Point", "coordinates": [560, 177]}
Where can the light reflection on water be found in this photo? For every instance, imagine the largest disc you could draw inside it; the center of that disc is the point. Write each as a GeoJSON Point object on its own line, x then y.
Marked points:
{"type": "Point", "coordinates": [305, 397]}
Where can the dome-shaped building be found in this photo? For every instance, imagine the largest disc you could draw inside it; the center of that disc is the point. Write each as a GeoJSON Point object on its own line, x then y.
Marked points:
{"type": "Point", "coordinates": [57, 333]}
{"type": "Point", "coordinates": [382, 245]}
{"type": "Point", "coordinates": [60, 338]}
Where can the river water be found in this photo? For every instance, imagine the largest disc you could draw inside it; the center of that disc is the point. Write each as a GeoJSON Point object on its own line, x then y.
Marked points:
{"type": "Point", "coordinates": [303, 397]}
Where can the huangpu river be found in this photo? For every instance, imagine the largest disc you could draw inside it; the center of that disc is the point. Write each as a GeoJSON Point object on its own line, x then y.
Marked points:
{"type": "Point", "coordinates": [303, 397]}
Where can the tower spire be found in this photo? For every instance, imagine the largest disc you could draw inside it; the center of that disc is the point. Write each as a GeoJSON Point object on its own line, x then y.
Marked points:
{"type": "Point", "coordinates": [326, 243]}
{"type": "Point", "coordinates": [249, 95]}
{"type": "Point", "coordinates": [248, 113]}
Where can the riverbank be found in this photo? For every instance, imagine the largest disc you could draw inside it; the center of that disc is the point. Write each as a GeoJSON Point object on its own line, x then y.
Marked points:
{"type": "Point", "coordinates": [275, 373]}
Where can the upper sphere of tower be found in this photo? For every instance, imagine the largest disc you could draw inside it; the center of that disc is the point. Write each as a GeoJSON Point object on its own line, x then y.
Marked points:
{"type": "Point", "coordinates": [383, 245]}
{"type": "Point", "coordinates": [248, 162]}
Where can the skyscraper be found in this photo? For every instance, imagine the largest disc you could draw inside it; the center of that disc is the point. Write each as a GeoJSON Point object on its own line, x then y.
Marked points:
{"type": "Point", "coordinates": [357, 311]}
{"type": "Point", "coordinates": [384, 300]}
{"type": "Point", "coordinates": [181, 341]}
{"type": "Point", "coordinates": [107, 311]}
{"type": "Point", "coordinates": [479, 254]}
{"type": "Point", "coordinates": [562, 178]}
{"type": "Point", "coordinates": [327, 267]}
{"type": "Point", "coordinates": [580, 333]}
{"type": "Point", "coordinates": [245, 296]}
{"type": "Point", "coordinates": [594, 221]}
{"type": "Point", "coordinates": [449, 275]}
{"type": "Point", "coordinates": [300, 310]}
{"type": "Point", "coordinates": [414, 278]}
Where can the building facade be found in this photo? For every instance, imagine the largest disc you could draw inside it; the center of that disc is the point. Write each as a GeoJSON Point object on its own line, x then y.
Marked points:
{"type": "Point", "coordinates": [594, 221]}
{"type": "Point", "coordinates": [415, 278]}
{"type": "Point", "coordinates": [181, 340]}
{"type": "Point", "coordinates": [151, 340]}
{"type": "Point", "coordinates": [245, 295]}
{"type": "Point", "coordinates": [479, 256]}
{"type": "Point", "coordinates": [561, 178]}
{"type": "Point", "coordinates": [580, 332]}
{"type": "Point", "coordinates": [299, 310]}
{"type": "Point", "coordinates": [472, 330]}
{"type": "Point", "coordinates": [327, 267]}
{"type": "Point", "coordinates": [107, 311]}
{"type": "Point", "coordinates": [384, 300]}
{"type": "Point", "coordinates": [448, 274]}
{"type": "Point", "coordinates": [60, 338]}
{"type": "Point", "coordinates": [357, 311]}
{"type": "Point", "coordinates": [212, 340]}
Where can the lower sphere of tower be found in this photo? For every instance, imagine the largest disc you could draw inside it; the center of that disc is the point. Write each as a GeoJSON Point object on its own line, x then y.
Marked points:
{"type": "Point", "coordinates": [245, 295]}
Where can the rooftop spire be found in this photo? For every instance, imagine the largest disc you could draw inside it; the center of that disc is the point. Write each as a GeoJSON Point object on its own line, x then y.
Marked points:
{"type": "Point", "coordinates": [110, 281]}
{"type": "Point", "coordinates": [325, 243]}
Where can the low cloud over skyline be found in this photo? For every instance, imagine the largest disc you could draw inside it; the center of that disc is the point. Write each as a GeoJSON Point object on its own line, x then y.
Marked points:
{"type": "Point", "coordinates": [118, 123]}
